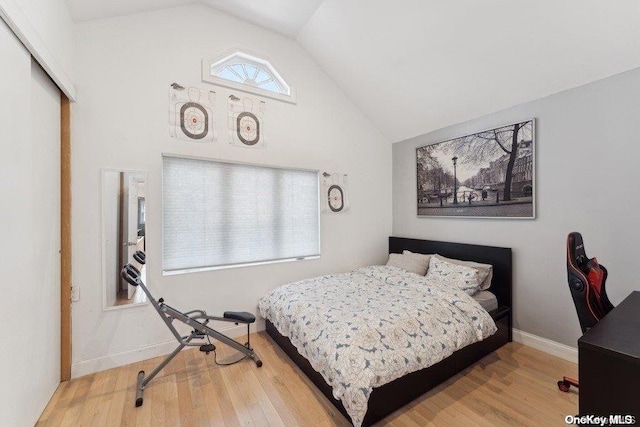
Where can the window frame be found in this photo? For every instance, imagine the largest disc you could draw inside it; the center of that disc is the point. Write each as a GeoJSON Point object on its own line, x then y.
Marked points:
{"type": "Point", "coordinates": [252, 59]}
{"type": "Point", "coordinates": [244, 264]}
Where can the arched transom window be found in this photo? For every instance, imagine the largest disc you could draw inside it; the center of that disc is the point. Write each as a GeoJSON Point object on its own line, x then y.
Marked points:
{"type": "Point", "coordinates": [249, 73]}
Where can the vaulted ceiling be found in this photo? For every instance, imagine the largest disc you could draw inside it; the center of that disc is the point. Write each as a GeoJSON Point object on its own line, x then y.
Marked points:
{"type": "Point", "coordinates": [286, 17]}
{"type": "Point", "coordinates": [413, 66]}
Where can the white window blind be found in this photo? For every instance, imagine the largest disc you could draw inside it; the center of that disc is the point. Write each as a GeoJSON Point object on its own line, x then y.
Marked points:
{"type": "Point", "coordinates": [222, 214]}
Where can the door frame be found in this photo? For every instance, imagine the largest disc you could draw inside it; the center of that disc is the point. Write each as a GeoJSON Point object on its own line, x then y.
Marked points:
{"type": "Point", "coordinates": [65, 238]}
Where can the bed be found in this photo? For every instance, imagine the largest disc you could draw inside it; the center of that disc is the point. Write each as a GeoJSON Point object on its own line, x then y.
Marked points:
{"type": "Point", "coordinates": [393, 395]}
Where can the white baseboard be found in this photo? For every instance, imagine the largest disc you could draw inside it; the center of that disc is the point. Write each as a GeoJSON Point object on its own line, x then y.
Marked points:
{"type": "Point", "coordinates": [551, 347]}
{"type": "Point", "coordinates": [91, 366]}
{"type": "Point", "coordinates": [85, 367]}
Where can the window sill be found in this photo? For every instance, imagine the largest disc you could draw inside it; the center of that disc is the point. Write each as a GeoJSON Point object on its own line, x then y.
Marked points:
{"type": "Point", "coordinates": [246, 264]}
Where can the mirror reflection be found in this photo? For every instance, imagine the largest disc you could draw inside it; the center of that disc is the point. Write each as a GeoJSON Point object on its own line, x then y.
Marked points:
{"type": "Point", "coordinates": [124, 216]}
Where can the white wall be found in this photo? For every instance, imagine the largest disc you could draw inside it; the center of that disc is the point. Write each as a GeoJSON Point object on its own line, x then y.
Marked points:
{"type": "Point", "coordinates": [124, 69]}
{"type": "Point", "coordinates": [54, 25]}
{"type": "Point", "coordinates": [30, 230]}
{"type": "Point", "coordinates": [45, 27]}
{"type": "Point", "coordinates": [587, 150]}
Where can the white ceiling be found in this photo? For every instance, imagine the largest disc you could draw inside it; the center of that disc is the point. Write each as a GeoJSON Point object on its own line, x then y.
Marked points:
{"type": "Point", "coordinates": [286, 17]}
{"type": "Point", "coordinates": [86, 10]}
{"type": "Point", "coordinates": [413, 66]}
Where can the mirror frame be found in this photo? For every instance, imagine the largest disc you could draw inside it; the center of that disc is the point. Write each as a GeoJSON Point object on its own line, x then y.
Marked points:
{"type": "Point", "coordinates": [103, 236]}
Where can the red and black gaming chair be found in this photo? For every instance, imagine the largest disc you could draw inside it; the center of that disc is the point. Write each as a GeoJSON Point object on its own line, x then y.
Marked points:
{"type": "Point", "coordinates": [587, 285]}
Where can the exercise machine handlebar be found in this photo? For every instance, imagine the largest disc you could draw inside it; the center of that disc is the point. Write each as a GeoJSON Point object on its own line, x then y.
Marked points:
{"type": "Point", "coordinates": [130, 274]}
{"type": "Point", "coordinates": [141, 257]}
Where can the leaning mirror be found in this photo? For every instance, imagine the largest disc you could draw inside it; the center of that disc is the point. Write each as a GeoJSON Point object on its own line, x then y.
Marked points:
{"type": "Point", "coordinates": [124, 217]}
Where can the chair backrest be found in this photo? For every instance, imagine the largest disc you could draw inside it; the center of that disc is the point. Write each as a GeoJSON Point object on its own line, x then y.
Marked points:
{"type": "Point", "coordinates": [587, 283]}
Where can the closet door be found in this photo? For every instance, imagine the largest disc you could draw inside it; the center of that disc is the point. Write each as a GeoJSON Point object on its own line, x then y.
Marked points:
{"type": "Point", "coordinates": [29, 234]}
{"type": "Point", "coordinates": [44, 121]}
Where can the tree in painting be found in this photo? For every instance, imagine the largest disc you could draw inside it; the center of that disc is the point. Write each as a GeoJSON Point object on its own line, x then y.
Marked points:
{"type": "Point", "coordinates": [484, 145]}
{"type": "Point", "coordinates": [489, 170]}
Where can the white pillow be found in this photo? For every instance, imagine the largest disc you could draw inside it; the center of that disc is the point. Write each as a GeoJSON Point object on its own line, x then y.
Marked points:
{"type": "Point", "coordinates": [422, 257]}
{"type": "Point", "coordinates": [408, 263]}
{"type": "Point", "coordinates": [485, 271]}
{"type": "Point", "coordinates": [465, 278]}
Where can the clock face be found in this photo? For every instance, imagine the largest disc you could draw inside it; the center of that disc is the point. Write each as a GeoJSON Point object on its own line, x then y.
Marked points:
{"type": "Point", "coordinates": [248, 128]}
{"type": "Point", "coordinates": [336, 198]}
{"type": "Point", "coordinates": [194, 120]}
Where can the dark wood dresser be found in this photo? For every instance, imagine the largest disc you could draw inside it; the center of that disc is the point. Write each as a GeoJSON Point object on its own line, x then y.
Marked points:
{"type": "Point", "coordinates": [609, 363]}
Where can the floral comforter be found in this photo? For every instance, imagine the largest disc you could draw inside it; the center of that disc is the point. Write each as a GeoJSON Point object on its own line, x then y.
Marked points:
{"type": "Point", "coordinates": [366, 328]}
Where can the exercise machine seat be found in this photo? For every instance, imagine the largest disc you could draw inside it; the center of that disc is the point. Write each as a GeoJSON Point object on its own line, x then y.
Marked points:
{"type": "Point", "coordinates": [240, 316]}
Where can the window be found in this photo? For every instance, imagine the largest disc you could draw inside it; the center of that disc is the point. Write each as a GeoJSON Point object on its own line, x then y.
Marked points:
{"type": "Point", "coordinates": [248, 73]}
{"type": "Point", "coordinates": [226, 214]}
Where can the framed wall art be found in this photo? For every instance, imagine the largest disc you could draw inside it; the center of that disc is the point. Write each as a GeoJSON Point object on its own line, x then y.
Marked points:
{"type": "Point", "coordinates": [489, 174]}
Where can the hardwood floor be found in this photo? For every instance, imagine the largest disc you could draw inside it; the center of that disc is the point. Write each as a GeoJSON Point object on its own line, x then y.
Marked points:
{"type": "Point", "coordinates": [514, 386]}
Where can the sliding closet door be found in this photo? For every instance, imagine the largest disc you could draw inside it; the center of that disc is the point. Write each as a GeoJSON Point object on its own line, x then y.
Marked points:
{"type": "Point", "coordinates": [29, 234]}
{"type": "Point", "coordinates": [45, 226]}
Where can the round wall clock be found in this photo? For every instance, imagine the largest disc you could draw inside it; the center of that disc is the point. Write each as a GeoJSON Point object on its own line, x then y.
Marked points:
{"type": "Point", "coordinates": [194, 120]}
{"type": "Point", "coordinates": [248, 128]}
{"type": "Point", "coordinates": [336, 198]}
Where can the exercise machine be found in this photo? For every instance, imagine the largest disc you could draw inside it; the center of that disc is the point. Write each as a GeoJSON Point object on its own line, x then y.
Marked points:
{"type": "Point", "coordinates": [196, 319]}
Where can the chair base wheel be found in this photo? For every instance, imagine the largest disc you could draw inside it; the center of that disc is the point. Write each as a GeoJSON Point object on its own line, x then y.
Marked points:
{"type": "Point", "coordinates": [563, 386]}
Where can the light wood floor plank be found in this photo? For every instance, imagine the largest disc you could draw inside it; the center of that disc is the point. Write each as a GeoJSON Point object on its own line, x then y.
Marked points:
{"type": "Point", "coordinates": [51, 413]}
{"type": "Point", "coordinates": [117, 397]}
{"type": "Point", "coordinates": [157, 401]}
{"type": "Point", "coordinates": [195, 378]}
{"type": "Point", "coordinates": [209, 395]}
{"type": "Point", "coordinates": [129, 411]}
{"type": "Point", "coordinates": [90, 407]}
{"type": "Point", "coordinates": [187, 416]}
{"type": "Point", "coordinates": [99, 419]}
{"type": "Point", "coordinates": [76, 403]}
{"type": "Point", "coordinates": [514, 386]}
{"type": "Point", "coordinates": [171, 411]}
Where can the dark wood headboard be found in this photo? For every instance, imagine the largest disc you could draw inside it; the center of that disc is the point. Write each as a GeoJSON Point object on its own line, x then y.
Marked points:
{"type": "Point", "coordinates": [500, 258]}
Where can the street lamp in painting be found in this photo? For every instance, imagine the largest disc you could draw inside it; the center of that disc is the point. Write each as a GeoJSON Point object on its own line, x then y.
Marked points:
{"type": "Point", "coordinates": [455, 190]}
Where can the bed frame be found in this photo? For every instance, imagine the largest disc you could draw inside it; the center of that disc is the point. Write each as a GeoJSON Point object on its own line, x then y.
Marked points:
{"type": "Point", "coordinates": [394, 395]}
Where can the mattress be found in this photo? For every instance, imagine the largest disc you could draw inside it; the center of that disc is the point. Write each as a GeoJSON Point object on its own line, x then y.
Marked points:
{"type": "Point", "coordinates": [486, 299]}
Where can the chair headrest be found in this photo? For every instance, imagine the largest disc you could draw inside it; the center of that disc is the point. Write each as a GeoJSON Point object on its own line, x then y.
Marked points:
{"type": "Point", "coordinates": [576, 255]}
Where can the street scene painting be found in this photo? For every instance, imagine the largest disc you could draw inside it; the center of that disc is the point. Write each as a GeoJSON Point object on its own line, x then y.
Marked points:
{"type": "Point", "coordinates": [489, 174]}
